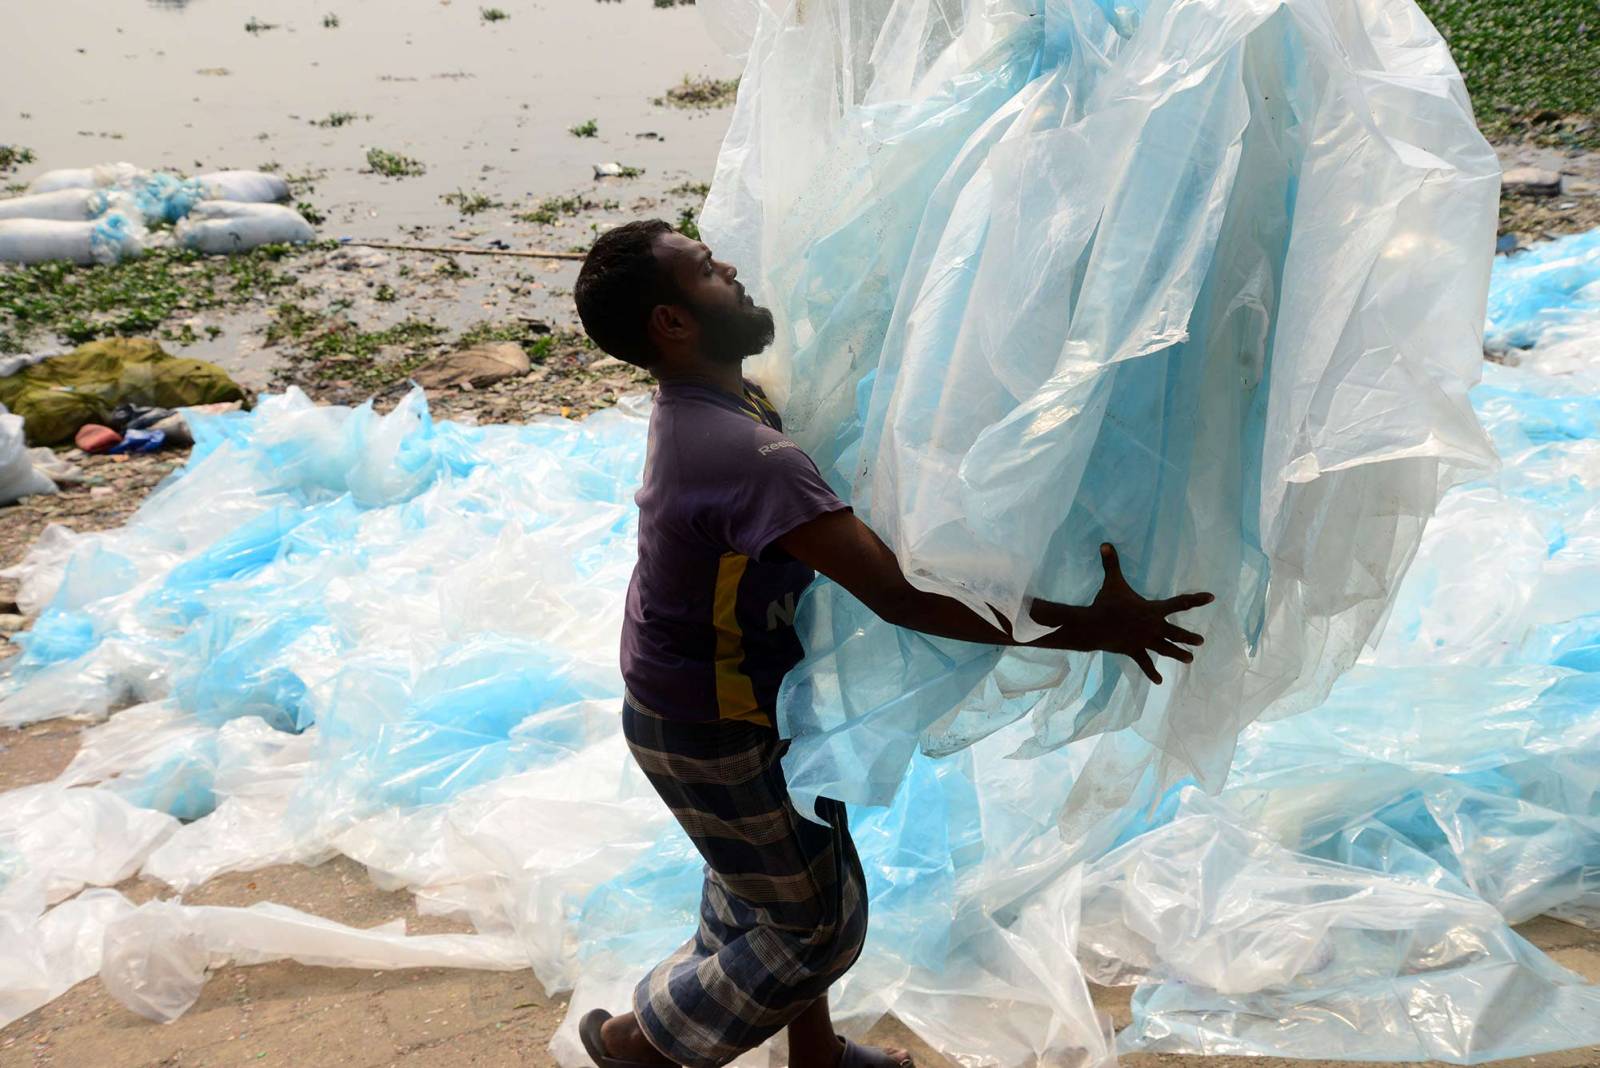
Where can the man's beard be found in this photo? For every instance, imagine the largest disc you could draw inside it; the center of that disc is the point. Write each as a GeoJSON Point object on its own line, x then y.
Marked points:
{"type": "Point", "coordinates": [729, 337]}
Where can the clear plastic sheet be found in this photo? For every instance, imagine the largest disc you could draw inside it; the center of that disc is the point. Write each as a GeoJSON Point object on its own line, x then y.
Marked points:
{"type": "Point", "coordinates": [1202, 279]}
{"type": "Point", "coordinates": [395, 640]}
{"type": "Point", "coordinates": [1246, 948]}
{"type": "Point", "coordinates": [19, 476]}
{"type": "Point", "coordinates": [155, 957]}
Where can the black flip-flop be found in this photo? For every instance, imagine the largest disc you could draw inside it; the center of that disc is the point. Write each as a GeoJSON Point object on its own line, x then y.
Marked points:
{"type": "Point", "coordinates": [859, 1056]}
{"type": "Point", "coordinates": [594, 1045]}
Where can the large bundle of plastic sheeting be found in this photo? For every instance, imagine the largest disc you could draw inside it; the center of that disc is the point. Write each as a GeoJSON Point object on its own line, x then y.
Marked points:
{"type": "Point", "coordinates": [1201, 278]}
{"type": "Point", "coordinates": [392, 639]}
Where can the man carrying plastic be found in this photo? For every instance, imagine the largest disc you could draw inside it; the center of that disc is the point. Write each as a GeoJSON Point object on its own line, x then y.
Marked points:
{"type": "Point", "coordinates": [734, 521]}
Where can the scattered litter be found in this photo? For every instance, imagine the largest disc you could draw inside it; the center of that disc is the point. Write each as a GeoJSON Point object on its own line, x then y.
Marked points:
{"type": "Point", "coordinates": [1531, 182]}
{"type": "Point", "coordinates": [54, 467]}
{"type": "Point", "coordinates": [478, 366]}
{"type": "Point", "coordinates": [350, 258]}
{"type": "Point", "coordinates": [19, 475]}
{"type": "Point", "coordinates": [62, 394]}
{"type": "Point", "coordinates": [95, 439]}
{"type": "Point", "coordinates": [126, 417]}
{"type": "Point", "coordinates": [137, 441]}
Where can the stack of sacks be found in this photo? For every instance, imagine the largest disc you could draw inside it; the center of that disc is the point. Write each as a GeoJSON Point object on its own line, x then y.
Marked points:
{"type": "Point", "coordinates": [98, 214]}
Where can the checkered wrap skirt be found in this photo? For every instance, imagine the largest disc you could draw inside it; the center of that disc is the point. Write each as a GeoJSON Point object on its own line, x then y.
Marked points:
{"type": "Point", "coordinates": [783, 911]}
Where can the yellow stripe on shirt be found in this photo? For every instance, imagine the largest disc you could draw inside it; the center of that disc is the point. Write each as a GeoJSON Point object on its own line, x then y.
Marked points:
{"type": "Point", "coordinates": [736, 695]}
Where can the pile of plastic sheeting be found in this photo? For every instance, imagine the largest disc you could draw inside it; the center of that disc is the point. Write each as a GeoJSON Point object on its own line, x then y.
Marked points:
{"type": "Point", "coordinates": [102, 214]}
{"type": "Point", "coordinates": [391, 639]}
{"type": "Point", "coordinates": [19, 477]}
{"type": "Point", "coordinates": [1201, 278]}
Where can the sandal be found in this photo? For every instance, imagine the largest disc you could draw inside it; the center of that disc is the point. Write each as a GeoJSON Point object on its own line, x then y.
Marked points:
{"type": "Point", "coordinates": [594, 1045]}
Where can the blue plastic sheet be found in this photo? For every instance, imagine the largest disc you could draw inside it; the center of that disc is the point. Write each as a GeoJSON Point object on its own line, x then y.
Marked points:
{"type": "Point", "coordinates": [1201, 279]}
{"type": "Point", "coordinates": [395, 639]}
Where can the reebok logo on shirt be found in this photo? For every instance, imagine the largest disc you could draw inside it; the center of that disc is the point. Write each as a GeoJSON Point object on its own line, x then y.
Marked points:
{"type": "Point", "coordinates": [774, 446]}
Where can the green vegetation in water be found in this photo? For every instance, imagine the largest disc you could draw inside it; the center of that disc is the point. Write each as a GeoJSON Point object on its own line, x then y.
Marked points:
{"type": "Point", "coordinates": [327, 346]}
{"type": "Point", "coordinates": [492, 14]}
{"type": "Point", "coordinates": [536, 339]}
{"type": "Point", "coordinates": [674, 3]}
{"type": "Point", "coordinates": [255, 25]}
{"type": "Point", "coordinates": [14, 156]}
{"type": "Point", "coordinates": [686, 224]}
{"type": "Point", "coordinates": [470, 203]}
{"type": "Point", "coordinates": [308, 211]}
{"type": "Point", "coordinates": [304, 182]}
{"type": "Point", "coordinates": [700, 93]}
{"type": "Point", "coordinates": [337, 118]}
{"type": "Point", "coordinates": [449, 268]}
{"type": "Point", "coordinates": [65, 302]}
{"type": "Point", "coordinates": [552, 210]}
{"type": "Point", "coordinates": [330, 22]}
{"type": "Point", "coordinates": [588, 128]}
{"type": "Point", "coordinates": [1532, 66]}
{"type": "Point", "coordinates": [691, 189]}
{"type": "Point", "coordinates": [385, 293]}
{"type": "Point", "coordinates": [392, 164]}
{"type": "Point", "coordinates": [340, 350]}
{"type": "Point", "coordinates": [629, 172]}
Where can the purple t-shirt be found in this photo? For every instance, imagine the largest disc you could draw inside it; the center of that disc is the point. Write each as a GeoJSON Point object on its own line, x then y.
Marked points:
{"type": "Point", "coordinates": [709, 630]}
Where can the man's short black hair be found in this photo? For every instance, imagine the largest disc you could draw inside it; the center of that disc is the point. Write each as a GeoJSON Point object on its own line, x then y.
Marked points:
{"type": "Point", "coordinates": [618, 285]}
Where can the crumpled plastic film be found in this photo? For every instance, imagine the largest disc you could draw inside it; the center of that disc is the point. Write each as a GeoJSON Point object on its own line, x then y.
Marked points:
{"type": "Point", "coordinates": [1263, 952]}
{"type": "Point", "coordinates": [55, 840]}
{"type": "Point", "coordinates": [1204, 279]}
{"type": "Point", "coordinates": [1545, 291]}
{"type": "Point", "coordinates": [155, 957]}
{"type": "Point", "coordinates": [45, 956]}
{"type": "Point", "coordinates": [1460, 755]}
{"type": "Point", "coordinates": [395, 640]}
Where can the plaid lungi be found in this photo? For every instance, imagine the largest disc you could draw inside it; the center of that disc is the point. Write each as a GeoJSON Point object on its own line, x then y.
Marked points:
{"type": "Point", "coordinates": [783, 911]}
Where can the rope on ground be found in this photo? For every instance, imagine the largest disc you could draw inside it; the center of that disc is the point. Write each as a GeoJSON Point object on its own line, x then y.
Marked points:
{"type": "Point", "coordinates": [458, 251]}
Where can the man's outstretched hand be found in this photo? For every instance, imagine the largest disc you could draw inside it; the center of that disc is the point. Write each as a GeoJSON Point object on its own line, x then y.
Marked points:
{"type": "Point", "coordinates": [1121, 621]}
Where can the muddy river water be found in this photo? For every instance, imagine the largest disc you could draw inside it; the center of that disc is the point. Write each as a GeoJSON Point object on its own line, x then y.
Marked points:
{"type": "Point", "coordinates": [485, 105]}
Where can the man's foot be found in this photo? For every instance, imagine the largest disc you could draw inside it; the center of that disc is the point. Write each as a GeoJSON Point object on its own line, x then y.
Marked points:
{"type": "Point", "coordinates": [855, 1055]}
{"type": "Point", "coordinates": [619, 1042]}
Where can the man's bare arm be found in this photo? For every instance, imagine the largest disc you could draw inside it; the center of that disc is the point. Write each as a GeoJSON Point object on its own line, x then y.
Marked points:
{"type": "Point", "coordinates": [846, 550]}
